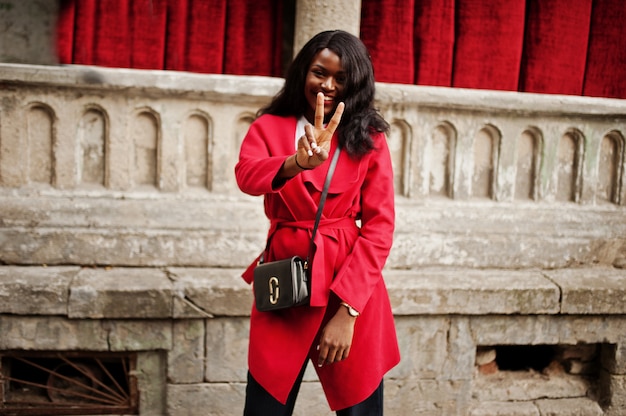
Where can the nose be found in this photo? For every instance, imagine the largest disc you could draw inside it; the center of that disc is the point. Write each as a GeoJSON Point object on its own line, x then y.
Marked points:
{"type": "Point", "coordinates": [328, 84]}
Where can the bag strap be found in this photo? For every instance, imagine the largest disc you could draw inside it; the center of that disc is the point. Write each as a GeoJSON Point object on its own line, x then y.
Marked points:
{"type": "Point", "coordinates": [320, 208]}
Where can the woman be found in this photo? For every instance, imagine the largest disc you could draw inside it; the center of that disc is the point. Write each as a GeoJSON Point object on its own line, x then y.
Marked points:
{"type": "Point", "coordinates": [348, 329]}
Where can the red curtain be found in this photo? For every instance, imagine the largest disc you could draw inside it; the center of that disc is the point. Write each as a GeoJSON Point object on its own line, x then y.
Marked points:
{"type": "Point", "coordinates": [216, 36]}
{"type": "Point", "coordinates": [542, 46]}
{"type": "Point", "coordinates": [555, 46]}
{"type": "Point", "coordinates": [606, 60]}
{"type": "Point", "coordinates": [389, 43]}
{"type": "Point", "coordinates": [489, 41]}
{"type": "Point", "coordinates": [434, 42]}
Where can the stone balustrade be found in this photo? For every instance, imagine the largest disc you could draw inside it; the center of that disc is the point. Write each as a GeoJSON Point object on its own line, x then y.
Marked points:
{"type": "Point", "coordinates": [120, 216]}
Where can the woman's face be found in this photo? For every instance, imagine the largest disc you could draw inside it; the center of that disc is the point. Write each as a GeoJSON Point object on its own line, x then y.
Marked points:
{"type": "Point", "coordinates": [326, 75]}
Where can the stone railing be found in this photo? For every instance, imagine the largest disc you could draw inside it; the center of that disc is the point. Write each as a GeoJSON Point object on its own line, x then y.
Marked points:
{"type": "Point", "coordinates": [120, 216]}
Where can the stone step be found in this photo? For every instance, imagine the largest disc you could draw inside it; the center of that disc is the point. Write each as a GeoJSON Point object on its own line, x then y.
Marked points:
{"type": "Point", "coordinates": [210, 230]}
{"type": "Point", "coordinates": [557, 407]}
{"type": "Point", "coordinates": [164, 293]}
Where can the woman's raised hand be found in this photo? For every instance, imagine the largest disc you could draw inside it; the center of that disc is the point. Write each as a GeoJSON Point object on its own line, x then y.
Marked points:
{"type": "Point", "coordinates": [314, 146]}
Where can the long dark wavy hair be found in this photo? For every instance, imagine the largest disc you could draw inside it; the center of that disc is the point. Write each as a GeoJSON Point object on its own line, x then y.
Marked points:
{"type": "Point", "coordinates": [360, 119]}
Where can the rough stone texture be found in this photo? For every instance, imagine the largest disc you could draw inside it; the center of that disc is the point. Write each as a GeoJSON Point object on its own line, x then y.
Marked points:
{"type": "Point", "coordinates": [526, 386]}
{"type": "Point", "coordinates": [27, 30]}
{"type": "Point", "coordinates": [227, 349]}
{"type": "Point", "coordinates": [186, 360]}
{"type": "Point", "coordinates": [210, 292]}
{"type": "Point", "coordinates": [120, 293]}
{"type": "Point", "coordinates": [51, 333]}
{"type": "Point", "coordinates": [591, 290]}
{"type": "Point", "coordinates": [151, 373]}
{"type": "Point", "coordinates": [35, 290]}
{"type": "Point", "coordinates": [214, 399]}
{"type": "Point", "coordinates": [569, 407]}
{"type": "Point", "coordinates": [505, 409]}
{"type": "Point", "coordinates": [454, 290]}
{"type": "Point", "coordinates": [313, 16]}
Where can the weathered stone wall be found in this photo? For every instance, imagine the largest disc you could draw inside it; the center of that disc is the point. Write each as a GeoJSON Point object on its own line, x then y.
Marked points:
{"type": "Point", "coordinates": [122, 229]}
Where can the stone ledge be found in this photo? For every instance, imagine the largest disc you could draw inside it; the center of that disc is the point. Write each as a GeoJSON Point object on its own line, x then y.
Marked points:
{"type": "Point", "coordinates": [178, 293]}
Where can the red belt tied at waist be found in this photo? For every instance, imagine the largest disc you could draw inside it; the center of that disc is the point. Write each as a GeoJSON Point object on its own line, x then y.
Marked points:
{"type": "Point", "coordinates": [320, 281]}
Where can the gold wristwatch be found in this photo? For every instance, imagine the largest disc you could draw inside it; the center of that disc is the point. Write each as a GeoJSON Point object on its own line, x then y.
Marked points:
{"type": "Point", "coordinates": [353, 312]}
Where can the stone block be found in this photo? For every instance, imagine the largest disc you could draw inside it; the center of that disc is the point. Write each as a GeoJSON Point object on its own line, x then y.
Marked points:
{"type": "Point", "coordinates": [616, 392]}
{"type": "Point", "coordinates": [312, 401]}
{"type": "Point", "coordinates": [51, 333]}
{"type": "Point", "coordinates": [426, 397]}
{"type": "Point", "coordinates": [526, 386]}
{"type": "Point", "coordinates": [121, 293]}
{"type": "Point", "coordinates": [592, 290]}
{"type": "Point", "coordinates": [35, 290]}
{"type": "Point", "coordinates": [613, 358]}
{"type": "Point", "coordinates": [515, 330]}
{"type": "Point", "coordinates": [185, 361]}
{"type": "Point", "coordinates": [591, 329]}
{"type": "Point", "coordinates": [460, 354]}
{"type": "Point", "coordinates": [151, 372]}
{"type": "Point", "coordinates": [505, 409]}
{"type": "Point", "coordinates": [139, 335]}
{"type": "Point", "coordinates": [423, 344]}
{"type": "Point", "coordinates": [580, 406]}
{"type": "Point", "coordinates": [210, 292]}
{"type": "Point", "coordinates": [470, 292]}
{"type": "Point", "coordinates": [207, 399]}
{"type": "Point", "coordinates": [227, 349]}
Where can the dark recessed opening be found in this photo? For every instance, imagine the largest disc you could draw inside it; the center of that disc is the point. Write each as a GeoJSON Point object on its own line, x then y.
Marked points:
{"type": "Point", "coordinates": [64, 383]}
{"type": "Point", "coordinates": [524, 357]}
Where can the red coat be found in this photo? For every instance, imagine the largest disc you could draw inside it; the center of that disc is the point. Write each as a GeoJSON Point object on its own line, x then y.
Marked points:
{"type": "Point", "coordinates": [347, 264]}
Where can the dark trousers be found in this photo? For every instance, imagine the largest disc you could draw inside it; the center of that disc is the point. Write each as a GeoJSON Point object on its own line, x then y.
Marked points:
{"type": "Point", "coordinates": [260, 403]}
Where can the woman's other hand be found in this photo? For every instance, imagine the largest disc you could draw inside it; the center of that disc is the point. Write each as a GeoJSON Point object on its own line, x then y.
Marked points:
{"type": "Point", "coordinates": [336, 338]}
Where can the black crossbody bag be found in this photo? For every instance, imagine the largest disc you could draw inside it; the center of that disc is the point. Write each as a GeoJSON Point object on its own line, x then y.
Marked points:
{"type": "Point", "coordinates": [286, 283]}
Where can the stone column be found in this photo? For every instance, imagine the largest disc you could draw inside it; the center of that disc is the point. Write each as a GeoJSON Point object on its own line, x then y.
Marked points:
{"type": "Point", "coordinates": [314, 16]}
{"type": "Point", "coordinates": [28, 31]}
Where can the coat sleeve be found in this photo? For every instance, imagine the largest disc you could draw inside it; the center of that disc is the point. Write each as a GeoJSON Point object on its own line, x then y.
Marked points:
{"type": "Point", "coordinates": [257, 168]}
{"type": "Point", "coordinates": [361, 273]}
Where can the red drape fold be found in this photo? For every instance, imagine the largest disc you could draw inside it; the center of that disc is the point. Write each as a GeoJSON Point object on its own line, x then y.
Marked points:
{"type": "Point", "coordinates": [387, 31]}
{"type": "Point", "coordinates": [551, 46]}
{"type": "Point", "coordinates": [434, 42]}
{"type": "Point", "coordinates": [65, 31]}
{"type": "Point", "coordinates": [252, 29]}
{"type": "Point", "coordinates": [148, 32]}
{"type": "Point", "coordinates": [489, 43]}
{"type": "Point", "coordinates": [84, 27]}
{"type": "Point", "coordinates": [555, 46]}
{"type": "Point", "coordinates": [206, 28]}
{"type": "Point", "coordinates": [111, 45]}
{"type": "Point", "coordinates": [606, 58]}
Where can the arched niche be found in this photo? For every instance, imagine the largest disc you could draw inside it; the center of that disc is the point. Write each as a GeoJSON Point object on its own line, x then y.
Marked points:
{"type": "Point", "coordinates": [198, 149]}
{"type": "Point", "coordinates": [486, 155]}
{"type": "Point", "coordinates": [569, 166]}
{"type": "Point", "coordinates": [440, 160]}
{"type": "Point", "coordinates": [528, 164]}
{"type": "Point", "coordinates": [40, 137]}
{"type": "Point", "coordinates": [610, 168]}
{"type": "Point", "coordinates": [91, 147]}
{"type": "Point", "coordinates": [399, 146]}
{"type": "Point", "coordinates": [146, 136]}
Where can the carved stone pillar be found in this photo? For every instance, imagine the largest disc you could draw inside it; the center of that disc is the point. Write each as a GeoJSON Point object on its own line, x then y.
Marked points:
{"type": "Point", "coordinates": [314, 16]}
